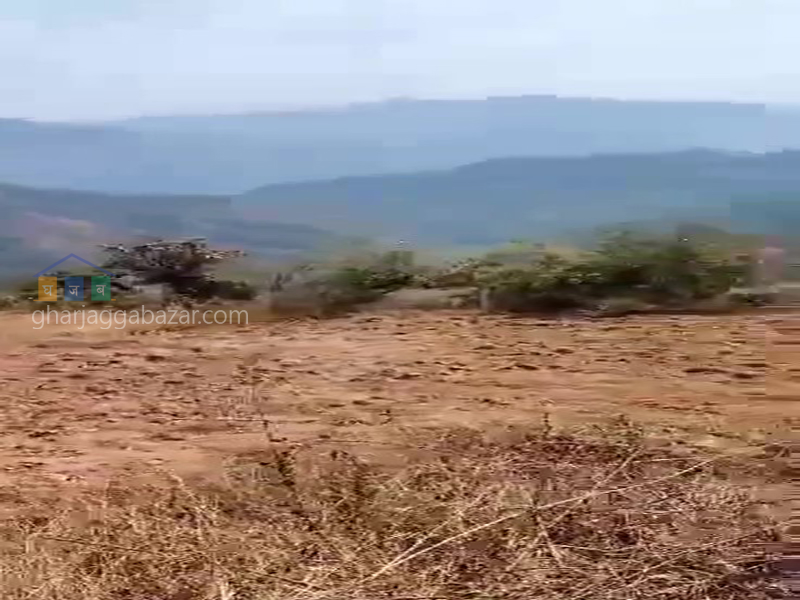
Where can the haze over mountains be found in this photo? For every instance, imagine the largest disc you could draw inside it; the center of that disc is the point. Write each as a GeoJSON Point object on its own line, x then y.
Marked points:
{"type": "Point", "coordinates": [493, 201]}
{"type": "Point", "coordinates": [479, 204]}
{"type": "Point", "coordinates": [233, 153]}
{"type": "Point", "coordinates": [429, 172]}
{"type": "Point", "coordinates": [39, 225]}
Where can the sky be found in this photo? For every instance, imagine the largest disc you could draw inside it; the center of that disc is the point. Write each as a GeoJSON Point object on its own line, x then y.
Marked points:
{"type": "Point", "coordinates": [106, 59]}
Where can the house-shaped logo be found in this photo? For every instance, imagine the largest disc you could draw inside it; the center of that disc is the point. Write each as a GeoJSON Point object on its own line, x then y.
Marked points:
{"type": "Point", "coordinates": [74, 288]}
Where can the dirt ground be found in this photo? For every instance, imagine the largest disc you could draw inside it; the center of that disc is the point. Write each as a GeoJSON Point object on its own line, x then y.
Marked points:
{"type": "Point", "coordinates": [78, 407]}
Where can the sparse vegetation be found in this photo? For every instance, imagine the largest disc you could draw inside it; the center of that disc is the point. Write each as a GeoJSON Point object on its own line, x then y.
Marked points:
{"type": "Point", "coordinates": [327, 289]}
{"type": "Point", "coordinates": [601, 515]}
{"type": "Point", "coordinates": [626, 272]}
{"type": "Point", "coordinates": [660, 271]}
{"type": "Point", "coordinates": [594, 514]}
{"type": "Point", "coordinates": [183, 267]}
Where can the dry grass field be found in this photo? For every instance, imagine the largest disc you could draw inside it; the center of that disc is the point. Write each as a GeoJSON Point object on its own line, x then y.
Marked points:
{"type": "Point", "coordinates": [397, 455]}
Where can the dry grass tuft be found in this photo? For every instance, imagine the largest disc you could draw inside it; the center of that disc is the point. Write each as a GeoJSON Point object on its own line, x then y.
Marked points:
{"type": "Point", "coordinates": [530, 516]}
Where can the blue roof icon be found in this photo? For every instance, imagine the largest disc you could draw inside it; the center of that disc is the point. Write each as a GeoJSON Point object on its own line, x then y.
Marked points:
{"type": "Point", "coordinates": [75, 256]}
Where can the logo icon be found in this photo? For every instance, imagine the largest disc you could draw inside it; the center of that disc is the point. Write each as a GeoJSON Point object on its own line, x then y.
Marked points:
{"type": "Point", "coordinates": [74, 286]}
{"type": "Point", "coordinates": [48, 289]}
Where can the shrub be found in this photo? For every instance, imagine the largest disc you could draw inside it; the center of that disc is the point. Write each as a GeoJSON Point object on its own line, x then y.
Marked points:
{"type": "Point", "coordinates": [371, 282]}
{"type": "Point", "coordinates": [662, 271]}
{"type": "Point", "coordinates": [462, 274]}
{"type": "Point", "coordinates": [9, 302]}
{"type": "Point", "coordinates": [325, 290]}
{"type": "Point", "coordinates": [181, 266]}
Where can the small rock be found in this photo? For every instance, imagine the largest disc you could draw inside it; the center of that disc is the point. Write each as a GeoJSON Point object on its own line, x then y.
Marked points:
{"type": "Point", "coordinates": [526, 366]}
{"type": "Point", "coordinates": [712, 370]}
{"type": "Point", "coordinates": [755, 365]}
{"type": "Point", "coordinates": [98, 389]}
{"type": "Point", "coordinates": [408, 375]}
{"type": "Point", "coordinates": [42, 433]}
{"type": "Point", "coordinates": [743, 375]}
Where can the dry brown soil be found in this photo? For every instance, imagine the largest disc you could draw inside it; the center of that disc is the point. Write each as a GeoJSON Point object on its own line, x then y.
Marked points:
{"type": "Point", "coordinates": [78, 406]}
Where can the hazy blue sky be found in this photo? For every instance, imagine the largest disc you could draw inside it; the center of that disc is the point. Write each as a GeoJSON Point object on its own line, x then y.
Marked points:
{"type": "Point", "coordinates": [75, 59]}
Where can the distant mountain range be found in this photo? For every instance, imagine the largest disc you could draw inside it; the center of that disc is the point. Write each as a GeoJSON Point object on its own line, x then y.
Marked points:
{"type": "Point", "coordinates": [496, 200]}
{"type": "Point", "coordinates": [233, 153]}
{"type": "Point", "coordinates": [39, 226]}
{"type": "Point", "coordinates": [479, 204]}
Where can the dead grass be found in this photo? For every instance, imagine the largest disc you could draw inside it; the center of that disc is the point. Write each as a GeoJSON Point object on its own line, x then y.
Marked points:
{"type": "Point", "coordinates": [530, 515]}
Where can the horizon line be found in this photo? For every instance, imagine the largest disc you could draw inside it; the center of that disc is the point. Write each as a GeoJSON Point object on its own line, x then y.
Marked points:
{"type": "Point", "coordinates": [300, 108]}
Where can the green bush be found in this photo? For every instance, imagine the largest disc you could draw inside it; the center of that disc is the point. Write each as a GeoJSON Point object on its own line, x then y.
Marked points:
{"type": "Point", "coordinates": [233, 290]}
{"type": "Point", "coordinates": [371, 281]}
{"type": "Point", "coordinates": [328, 289]}
{"type": "Point", "coordinates": [664, 269]}
{"type": "Point", "coordinates": [655, 270]}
